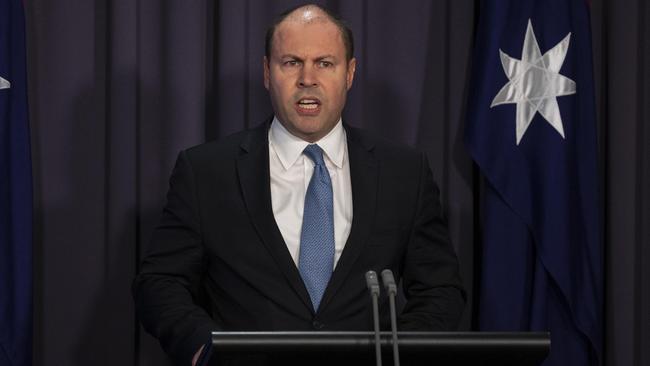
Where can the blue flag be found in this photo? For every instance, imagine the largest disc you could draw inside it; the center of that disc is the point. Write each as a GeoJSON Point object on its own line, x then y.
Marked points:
{"type": "Point", "coordinates": [531, 129]}
{"type": "Point", "coordinates": [15, 192]}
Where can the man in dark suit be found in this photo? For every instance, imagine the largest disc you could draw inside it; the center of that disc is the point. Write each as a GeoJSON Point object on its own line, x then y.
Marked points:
{"type": "Point", "coordinates": [274, 228]}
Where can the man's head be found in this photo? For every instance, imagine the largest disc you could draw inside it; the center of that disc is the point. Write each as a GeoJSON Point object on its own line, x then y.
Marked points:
{"type": "Point", "coordinates": [346, 32]}
{"type": "Point", "coordinates": [308, 69]}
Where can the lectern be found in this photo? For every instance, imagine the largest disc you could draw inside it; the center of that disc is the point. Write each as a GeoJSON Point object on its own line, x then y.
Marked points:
{"type": "Point", "coordinates": [357, 348]}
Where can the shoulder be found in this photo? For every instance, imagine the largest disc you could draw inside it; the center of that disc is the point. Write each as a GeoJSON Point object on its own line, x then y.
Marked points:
{"type": "Point", "coordinates": [229, 147]}
{"type": "Point", "coordinates": [383, 149]}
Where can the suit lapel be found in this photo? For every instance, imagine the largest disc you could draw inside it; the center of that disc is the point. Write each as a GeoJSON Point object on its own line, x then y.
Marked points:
{"type": "Point", "coordinates": [363, 176]}
{"type": "Point", "coordinates": [254, 177]}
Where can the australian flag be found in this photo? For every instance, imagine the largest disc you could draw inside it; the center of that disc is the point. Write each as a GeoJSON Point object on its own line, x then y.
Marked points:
{"type": "Point", "coordinates": [531, 130]}
{"type": "Point", "coordinates": [15, 192]}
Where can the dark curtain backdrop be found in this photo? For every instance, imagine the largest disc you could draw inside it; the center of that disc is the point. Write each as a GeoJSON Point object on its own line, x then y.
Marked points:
{"type": "Point", "coordinates": [118, 88]}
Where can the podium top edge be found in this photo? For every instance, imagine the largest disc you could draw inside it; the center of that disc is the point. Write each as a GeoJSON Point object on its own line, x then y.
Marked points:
{"type": "Point", "coordinates": [385, 333]}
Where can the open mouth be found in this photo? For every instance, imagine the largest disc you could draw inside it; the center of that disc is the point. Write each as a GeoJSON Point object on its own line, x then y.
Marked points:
{"type": "Point", "coordinates": [308, 106]}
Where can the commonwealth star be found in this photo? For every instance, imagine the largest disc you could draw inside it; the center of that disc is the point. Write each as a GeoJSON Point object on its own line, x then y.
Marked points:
{"type": "Point", "coordinates": [4, 83]}
{"type": "Point", "coordinates": [535, 82]}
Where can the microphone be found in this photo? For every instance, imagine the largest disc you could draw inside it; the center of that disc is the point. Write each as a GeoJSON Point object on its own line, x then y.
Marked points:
{"type": "Point", "coordinates": [373, 286]}
{"type": "Point", "coordinates": [389, 283]}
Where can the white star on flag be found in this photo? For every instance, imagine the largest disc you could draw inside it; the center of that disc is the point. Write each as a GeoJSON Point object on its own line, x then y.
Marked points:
{"type": "Point", "coordinates": [535, 82]}
{"type": "Point", "coordinates": [4, 83]}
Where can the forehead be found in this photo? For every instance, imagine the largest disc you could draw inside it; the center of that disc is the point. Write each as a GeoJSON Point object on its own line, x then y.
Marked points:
{"type": "Point", "coordinates": [316, 37]}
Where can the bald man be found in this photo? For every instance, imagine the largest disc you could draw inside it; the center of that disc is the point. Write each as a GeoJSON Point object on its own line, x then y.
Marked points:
{"type": "Point", "coordinates": [273, 229]}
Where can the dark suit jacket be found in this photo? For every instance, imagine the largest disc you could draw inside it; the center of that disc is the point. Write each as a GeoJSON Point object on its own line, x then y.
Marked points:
{"type": "Point", "coordinates": [218, 246]}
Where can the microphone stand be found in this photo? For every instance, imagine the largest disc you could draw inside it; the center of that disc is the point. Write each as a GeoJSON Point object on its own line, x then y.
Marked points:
{"type": "Point", "coordinates": [389, 282]}
{"type": "Point", "coordinates": [373, 285]}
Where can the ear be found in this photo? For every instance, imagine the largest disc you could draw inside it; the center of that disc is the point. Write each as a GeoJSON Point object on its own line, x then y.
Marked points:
{"type": "Point", "coordinates": [352, 65]}
{"type": "Point", "coordinates": [267, 73]}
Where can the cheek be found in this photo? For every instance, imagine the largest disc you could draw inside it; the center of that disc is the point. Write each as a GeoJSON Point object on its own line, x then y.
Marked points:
{"type": "Point", "coordinates": [340, 94]}
{"type": "Point", "coordinates": [277, 92]}
{"type": "Point", "coordinates": [283, 88]}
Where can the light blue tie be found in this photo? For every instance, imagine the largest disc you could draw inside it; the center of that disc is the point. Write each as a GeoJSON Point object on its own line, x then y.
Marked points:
{"type": "Point", "coordinates": [316, 259]}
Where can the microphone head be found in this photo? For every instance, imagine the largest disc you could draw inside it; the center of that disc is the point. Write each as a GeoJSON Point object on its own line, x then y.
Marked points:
{"type": "Point", "coordinates": [372, 282]}
{"type": "Point", "coordinates": [389, 281]}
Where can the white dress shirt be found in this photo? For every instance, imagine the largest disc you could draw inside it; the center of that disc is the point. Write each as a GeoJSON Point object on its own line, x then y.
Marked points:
{"type": "Point", "coordinates": [291, 172]}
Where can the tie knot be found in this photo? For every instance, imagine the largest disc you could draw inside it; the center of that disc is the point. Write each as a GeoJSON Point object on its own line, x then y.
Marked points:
{"type": "Point", "coordinates": [315, 153]}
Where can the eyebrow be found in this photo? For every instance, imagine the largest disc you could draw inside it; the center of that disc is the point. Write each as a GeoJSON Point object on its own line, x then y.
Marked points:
{"type": "Point", "coordinates": [319, 58]}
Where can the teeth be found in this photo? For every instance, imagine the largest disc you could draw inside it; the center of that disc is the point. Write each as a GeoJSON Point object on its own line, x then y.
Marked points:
{"type": "Point", "coordinates": [308, 106]}
{"type": "Point", "coordinates": [307, 101]}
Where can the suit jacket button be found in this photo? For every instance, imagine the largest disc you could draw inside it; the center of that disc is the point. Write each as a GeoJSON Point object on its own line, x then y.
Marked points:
{"type": "Point", "coordinates": [317, 325]}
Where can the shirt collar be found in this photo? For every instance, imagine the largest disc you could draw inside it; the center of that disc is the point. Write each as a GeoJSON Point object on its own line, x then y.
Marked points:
{"type": "Point", "coordinates": [289, 147]}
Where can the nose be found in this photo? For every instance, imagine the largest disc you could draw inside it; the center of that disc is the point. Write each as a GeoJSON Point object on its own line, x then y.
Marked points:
{"type": "Point", "coordinates": [307, 77]}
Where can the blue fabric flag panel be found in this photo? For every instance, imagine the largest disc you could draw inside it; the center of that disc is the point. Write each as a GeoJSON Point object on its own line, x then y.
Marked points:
{"type": "Point", "coordinates": [15, 192]}
{"type": "Point", "coordinates": [531, 129]}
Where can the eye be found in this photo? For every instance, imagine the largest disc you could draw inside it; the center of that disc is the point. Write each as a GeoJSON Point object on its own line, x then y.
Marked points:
{"type": "Point", "coordinates": [324, 64]}
{"type": "Point", "coordinates": [291, 63]}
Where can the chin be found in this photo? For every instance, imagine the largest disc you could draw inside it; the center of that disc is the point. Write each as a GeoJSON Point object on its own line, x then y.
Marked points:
{"type": "Point", "coordinates": [309, 126]}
